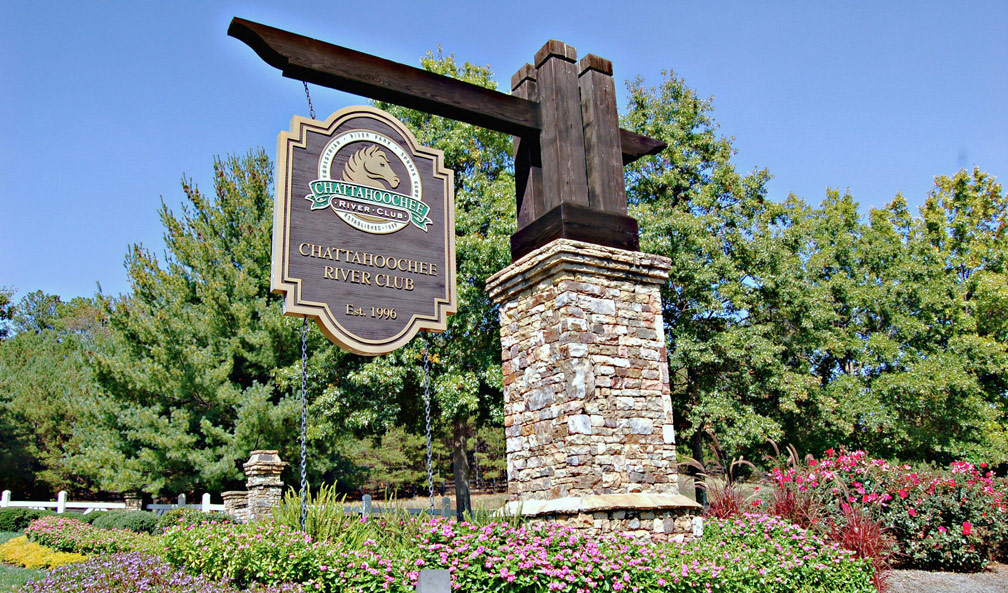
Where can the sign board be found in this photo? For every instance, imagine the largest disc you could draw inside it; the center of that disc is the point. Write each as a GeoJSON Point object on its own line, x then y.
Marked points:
{"type": "Point", "coordinates": [363, 230]}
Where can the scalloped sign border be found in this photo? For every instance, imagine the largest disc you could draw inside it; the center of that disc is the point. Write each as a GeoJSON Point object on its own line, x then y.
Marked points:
{"type": "Point", "coordinates": [363, 230]}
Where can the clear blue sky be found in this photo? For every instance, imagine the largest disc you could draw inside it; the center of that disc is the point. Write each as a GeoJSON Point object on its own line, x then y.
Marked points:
{"type": "Point", "coordinates": [105, 105]}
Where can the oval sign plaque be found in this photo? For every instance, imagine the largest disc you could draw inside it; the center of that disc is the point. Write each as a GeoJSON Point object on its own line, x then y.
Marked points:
{"type": "Point", "coordinates": [363, 230]}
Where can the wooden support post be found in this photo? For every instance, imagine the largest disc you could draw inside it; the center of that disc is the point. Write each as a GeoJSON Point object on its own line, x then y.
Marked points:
{"type": "Point", "coordinates": [181, 501]}
{"type": "Point", "coordinates": [205, 502]}
{"type": "Point", "coordinates": [561, 139]}
{"type": "Point", "coordinates": [606, 185]}
{"type": "Point", "coordinates": [61, 502]}
{"type": "Point", "coordinates": [5, 499]}
{"type": "Point", "coordinates": [528, 165]}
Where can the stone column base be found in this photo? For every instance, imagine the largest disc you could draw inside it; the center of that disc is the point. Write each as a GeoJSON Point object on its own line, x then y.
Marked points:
{"type": "Point", "coordinates": [236, 505]}
{"type": "Point", "coordinates": [645, 517]}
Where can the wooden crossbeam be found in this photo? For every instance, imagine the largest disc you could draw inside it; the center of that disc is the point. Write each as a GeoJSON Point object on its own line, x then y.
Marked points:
{"type": "Point", "coordinates": [329, 65]}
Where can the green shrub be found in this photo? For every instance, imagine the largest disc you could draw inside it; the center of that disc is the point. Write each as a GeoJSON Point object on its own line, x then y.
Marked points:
{"type": "Point", "coordinates": [70, 535]}
{"type": "Point", "coordinates": [92, 516]}
{"type": "Point", "coordinates": [138, 521]}
{"type": "Point", "coordinates": [750, 554]}
{"type": "Point", "coordinates": [186, 516]}
{"type": "Point", "coordinates": [948, 519]}
{"type": "Point", "coordinates": [17, 519]}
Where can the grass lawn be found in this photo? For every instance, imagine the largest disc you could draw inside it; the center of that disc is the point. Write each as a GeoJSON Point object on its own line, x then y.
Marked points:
{"type": "Point", "coordinates": [12, 577]}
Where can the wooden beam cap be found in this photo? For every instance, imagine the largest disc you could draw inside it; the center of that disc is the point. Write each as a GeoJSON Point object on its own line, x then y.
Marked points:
{"type": "Point", "coordinates": [554, 48]}
{"type": "Point", "coordinates": [526, 72]}
{"type": "Point", "coordinates": [593, 62]}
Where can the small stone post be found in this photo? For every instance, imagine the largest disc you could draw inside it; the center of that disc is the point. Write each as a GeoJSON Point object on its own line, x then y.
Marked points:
{"type": "Point", "coordinates": [587, 407]}
{"type": "Point", "coordinates": [134, 501]}
{"type": "Point", "coordinates": [236, 505]}
{"type": "Point", "coordinates": [262, 478]}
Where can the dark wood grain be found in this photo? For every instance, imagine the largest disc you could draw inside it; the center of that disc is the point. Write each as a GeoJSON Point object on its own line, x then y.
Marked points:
{"type": "Point", "coordinates": [326, 64]}
{"type": "Point", "coordinates": [561, 140]}
{"type": "Point", "coordinates": [571, 221]}
{"type": "Point", "coordinates": [329, 65]}
{"type": "Point", "coordinates": [606, 186]}
{"type": "Point", "coordinates": [528, 165]}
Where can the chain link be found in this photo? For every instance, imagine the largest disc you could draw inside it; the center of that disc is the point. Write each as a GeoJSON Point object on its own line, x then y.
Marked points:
{"type": "Point", "coordinates": [304, 422]}
{"type": "Point", "coordinates": [430, 462]}
{"type": "Point", "coordinates": [311, 109]}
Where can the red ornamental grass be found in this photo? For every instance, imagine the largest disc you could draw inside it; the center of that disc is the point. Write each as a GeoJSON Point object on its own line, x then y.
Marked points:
{"type": "Point", "coordinates": [867, 538]}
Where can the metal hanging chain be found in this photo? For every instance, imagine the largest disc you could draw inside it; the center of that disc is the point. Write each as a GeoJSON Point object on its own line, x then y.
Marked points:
{"type": "Point", "coordinates": [430, 462]}
{"type": "Point", "coordinates": [304, 423]}
{"type": "Point", "coordinates": [304, 384]}
{"type": "Point", "coordinates": [311, 109]}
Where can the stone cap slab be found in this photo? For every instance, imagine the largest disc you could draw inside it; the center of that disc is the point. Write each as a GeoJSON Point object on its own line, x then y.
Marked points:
{"type": "Point", "coordinates": [573, 505]}
{"type": "Point", "coordinates": [566, 255]}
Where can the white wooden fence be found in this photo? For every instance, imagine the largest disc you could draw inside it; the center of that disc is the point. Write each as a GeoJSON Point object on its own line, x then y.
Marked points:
{"type": "Point", "coordinates": [61, 504]}
{"type": "Point", "coordinates": [204, 505]}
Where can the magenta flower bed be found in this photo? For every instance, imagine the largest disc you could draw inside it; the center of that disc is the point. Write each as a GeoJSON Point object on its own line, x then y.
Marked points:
{"type": "Point", "coordinates": [132, 573]}
{"type": "Point", "coordinates": [953, 519]}
{"type": "Point", "coordinates": [752, 554]}
{"type": "Point", "coordinates": [70, 535]}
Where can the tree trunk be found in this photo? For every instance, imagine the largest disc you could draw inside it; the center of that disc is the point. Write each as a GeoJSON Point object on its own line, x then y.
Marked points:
{"type": "Point", "coordinates": [696, 448]}
{"type": "Point", "coordinates": [460, 466]}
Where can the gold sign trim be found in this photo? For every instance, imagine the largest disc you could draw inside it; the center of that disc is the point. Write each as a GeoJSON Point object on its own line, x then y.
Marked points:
{"type": "Point", "coordinates": [283, 283]}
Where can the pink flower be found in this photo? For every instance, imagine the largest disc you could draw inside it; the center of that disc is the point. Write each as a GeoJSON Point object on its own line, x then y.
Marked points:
{"type": "Point", "coordinates": [967, 527]}
{"type": "Point", "coordinates": [911, 512]}
{"type": "Point", "coordinates": [941, 528]}
{"type": "Point", "coordinates": [902, 493]}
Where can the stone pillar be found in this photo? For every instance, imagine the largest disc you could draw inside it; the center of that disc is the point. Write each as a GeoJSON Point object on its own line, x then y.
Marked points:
{"type": "Point", "coordinates": [236, 505]}
{"type": "Point", "coordinates": [587, 408]}
{"type": "Point", "coordinates": [134, 501]}
{"type": "Point", "coordinates": [262, 477]}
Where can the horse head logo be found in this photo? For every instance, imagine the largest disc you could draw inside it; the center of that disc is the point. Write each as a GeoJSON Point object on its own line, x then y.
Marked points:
{"type": "Point", "coordinates": [369, 166]}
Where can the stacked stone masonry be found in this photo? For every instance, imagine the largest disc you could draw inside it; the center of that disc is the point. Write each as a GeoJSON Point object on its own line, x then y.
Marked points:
{"type": "Point", "coordinates": [587, 409]}
{"type": "Point", "coordinates": [265, 488]}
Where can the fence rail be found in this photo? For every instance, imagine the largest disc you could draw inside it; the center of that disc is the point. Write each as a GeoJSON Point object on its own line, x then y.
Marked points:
{"type": "Point", "coordinates": [204, 505]}
{"type": "Point", "coordinates": [61, 504]}
{"type": "Point", "coordinates": [367, 508]}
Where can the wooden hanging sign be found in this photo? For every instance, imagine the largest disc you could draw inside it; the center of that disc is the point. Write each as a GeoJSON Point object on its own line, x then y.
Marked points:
{"type": "Point", "coordinates": [363, 230]}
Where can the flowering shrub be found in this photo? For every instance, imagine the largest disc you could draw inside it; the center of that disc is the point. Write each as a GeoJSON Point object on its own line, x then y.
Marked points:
{"type": "Point", "coordinates": [244, 554]}
{"type": "Point", "coordinates": [21, 552]}
{"type": "Point", "coordinates": [947, 520]}
{"type": "Point", "coordinates": [129, 573]}
{"type": "Point", "coordinates": [71, 535]}
{"type": "Point", "coordinates": [752, 553]}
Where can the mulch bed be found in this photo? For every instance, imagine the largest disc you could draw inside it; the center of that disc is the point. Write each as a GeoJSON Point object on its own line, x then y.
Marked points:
{"type": "Point", "coordinates": [992, 580]}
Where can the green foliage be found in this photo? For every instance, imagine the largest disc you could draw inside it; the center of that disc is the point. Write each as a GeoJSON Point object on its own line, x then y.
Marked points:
{"type": "Point", "coordinates": [954, 519]}
{"type": "Point", "coordinates": [187, 516]}
{"type": "Point", "coordinates": [189, 382]}
{"type": "Point", "coordinates": [138, 521]}
{"type": "Point", "coordinates": [17, 518]}
{"type": "Point", "coordinates": [46, 388]}
{"type": "Point", "coordinates": [93, 516]}
{"type": "Point", "coordinates": [752, 554]}
{"type": "Point", "coordinates": [70, 535]}
{"type": "Point", "coordinates": [809, 324]}
{"type": "Point", "coordinates": [6, 310]}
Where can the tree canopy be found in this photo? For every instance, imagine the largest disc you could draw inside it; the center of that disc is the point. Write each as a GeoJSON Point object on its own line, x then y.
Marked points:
{"type": "Point", "coordinates": [807, 324]}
